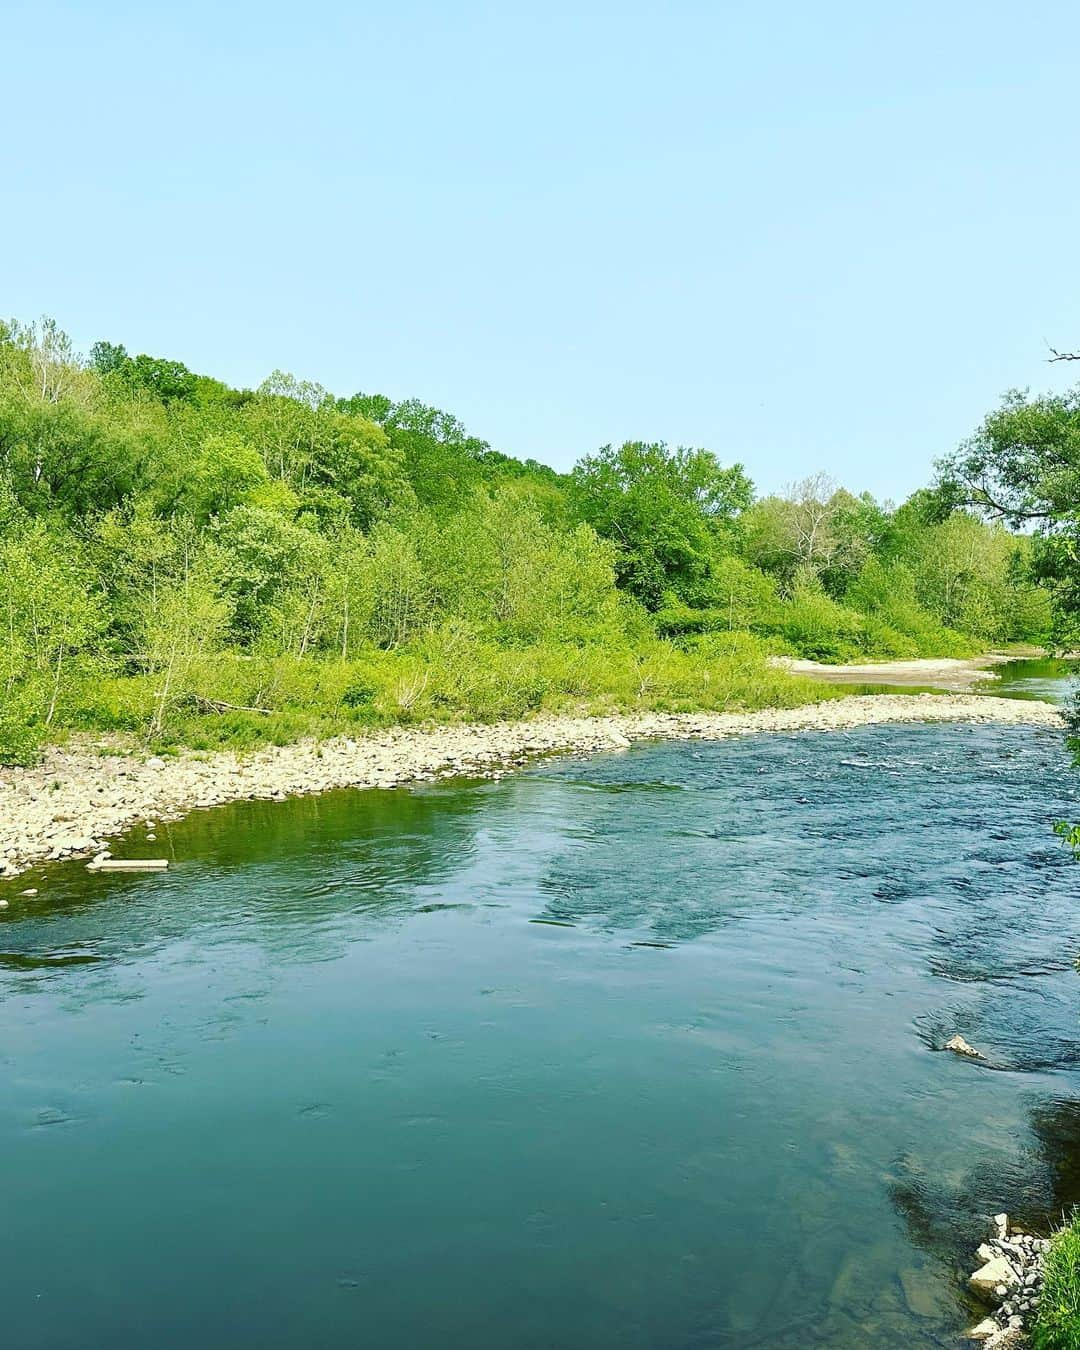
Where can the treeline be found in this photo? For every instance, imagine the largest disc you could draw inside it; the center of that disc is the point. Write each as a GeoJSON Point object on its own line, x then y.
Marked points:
{"type": "Point", "coordinates": [207, 565]}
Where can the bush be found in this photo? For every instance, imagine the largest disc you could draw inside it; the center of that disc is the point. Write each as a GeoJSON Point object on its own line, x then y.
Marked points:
{"type": "Point", "coordinates": [22, 732]}
{"type": "Point", "coordinates": [818, 626]}
{"type": "Point", "coordinates": [1057, 1326]}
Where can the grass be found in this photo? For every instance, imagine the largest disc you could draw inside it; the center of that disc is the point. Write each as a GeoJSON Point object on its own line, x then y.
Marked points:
{"type": "Point", "coordinates": [228, 700]}
{"type": "Point", "coordinates": [1058, 1324]}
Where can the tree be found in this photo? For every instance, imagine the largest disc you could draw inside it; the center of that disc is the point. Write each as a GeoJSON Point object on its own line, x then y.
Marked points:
{"type": "Point", "coordinates": [443, 462]}
{"type": "Point", "coordinates": [1023, 464]}
{"type": "Point", "coordinates": [815, 525]}
{"type": "Point", "coordinates": [49, 611]}
{"type": "Point", "coordinates": [340, 464]}
{"type": "Point", "coordinates": [669, 513]}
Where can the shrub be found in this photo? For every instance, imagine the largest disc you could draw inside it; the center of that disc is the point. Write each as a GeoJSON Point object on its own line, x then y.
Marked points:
{"type": "Point", "coordinates": [1057, 1326]}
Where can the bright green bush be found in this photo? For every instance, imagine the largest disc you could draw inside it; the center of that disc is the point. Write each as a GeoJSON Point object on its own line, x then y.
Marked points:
{"type": "Point", "coordinates": [1057, 1326]}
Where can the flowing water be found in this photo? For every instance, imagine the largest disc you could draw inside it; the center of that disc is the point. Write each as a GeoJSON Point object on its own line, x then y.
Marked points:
{"type": "Point", "coordinates": [638, 1051]}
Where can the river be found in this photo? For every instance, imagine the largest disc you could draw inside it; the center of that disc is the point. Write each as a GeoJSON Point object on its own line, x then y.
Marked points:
{"type": "Point", "coordinates": [635, 1051]}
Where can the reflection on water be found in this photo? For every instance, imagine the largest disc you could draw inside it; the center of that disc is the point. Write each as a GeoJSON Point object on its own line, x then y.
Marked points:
{"type": "Point", "coordinates": [1050, 679]}
{"type": "Point", "coordinates": [641, 1050]}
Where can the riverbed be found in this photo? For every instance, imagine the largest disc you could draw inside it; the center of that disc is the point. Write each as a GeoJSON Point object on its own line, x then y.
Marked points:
{"type": "Point", "coordinates": [636, 1049]}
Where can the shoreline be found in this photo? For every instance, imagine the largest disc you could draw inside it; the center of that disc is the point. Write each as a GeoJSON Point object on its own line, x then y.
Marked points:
{"type": "Point", "coordinates": [82, 798]}
{"type": "Point", "coordinates": [956, 674]}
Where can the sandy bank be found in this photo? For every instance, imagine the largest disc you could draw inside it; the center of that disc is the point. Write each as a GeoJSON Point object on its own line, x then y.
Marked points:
{"type": "Point", "coordinates": [942, 672]}
{"type": "Point", "coordinates": [78, 799]}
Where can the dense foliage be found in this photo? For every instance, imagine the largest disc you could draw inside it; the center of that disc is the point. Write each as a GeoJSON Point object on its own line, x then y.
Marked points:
{"type": "Point", "coordinates": [201, 564]}
{"type": "Point", "coordinates": [1057, 1326]}
{"type": "Point", "coordinates": [1023, 467]}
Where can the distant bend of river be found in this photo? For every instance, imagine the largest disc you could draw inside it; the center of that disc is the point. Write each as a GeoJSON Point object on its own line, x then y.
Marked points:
{"type": "Point", "coordinates": [633, 1051]}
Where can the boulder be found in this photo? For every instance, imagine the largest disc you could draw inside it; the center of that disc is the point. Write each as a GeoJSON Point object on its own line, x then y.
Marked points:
{"type": "Point", "coordinates": [992, 1276]}
{"type": "Point", "coordinates": [984, 1331]}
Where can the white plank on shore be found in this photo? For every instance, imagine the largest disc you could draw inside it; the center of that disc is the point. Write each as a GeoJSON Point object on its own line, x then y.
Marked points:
{"type": "Point", "coordinates": [128, 865]}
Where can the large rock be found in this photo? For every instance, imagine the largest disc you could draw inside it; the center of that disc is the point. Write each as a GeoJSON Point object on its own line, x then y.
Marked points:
{"type": "Point", "coordinates": [987, 1278]}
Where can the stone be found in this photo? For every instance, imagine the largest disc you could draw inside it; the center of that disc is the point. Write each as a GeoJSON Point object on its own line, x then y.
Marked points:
{"type": "Point", "coordinates": [155, 762]}
{"type": "Point", "coordinates": [993, 1275]}
{"type": "Point", "coordinates": [30, 890]}
{"type": "Point", "coordinates": [959, 1046]}
{"type": "Point", "coordinates": [1008, 1338]}
{"type": "Point", "coordinates": [1001, 1225]}
{"type": "Point", "coordinates": [922, 1294]}
{"type": "Point", "coordinates": [983, 1332]}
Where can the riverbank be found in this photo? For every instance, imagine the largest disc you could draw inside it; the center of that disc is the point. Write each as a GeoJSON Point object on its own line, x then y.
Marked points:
{"type": "Point", "coordinates": [951, 673]}
{"type": "Point", "coordinates": [81, 797]}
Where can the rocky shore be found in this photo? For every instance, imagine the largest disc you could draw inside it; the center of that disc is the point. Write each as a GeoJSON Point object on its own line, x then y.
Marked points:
{"type": "Point", "coordinates": [1010, 1279]}
{"type": "Point", "coordinates": [81, 797]}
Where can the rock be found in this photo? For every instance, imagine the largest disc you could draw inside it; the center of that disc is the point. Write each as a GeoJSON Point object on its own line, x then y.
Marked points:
{"type": "Point", "coordinates": [985, 1252]}
{"type": "Point", "coordinates": [993, 1275]}
{"type": "Point", "coordinates": [151, 838]}
{"type": "Point", "coordinates": [1008, 1338]}
{"type": "Point", "coordinates": [960, 1047]}
{"type": "Point", "coordinates": [155, 762]}
{"type": "Point", "coordinates": [1001, 1225]}
{"type": "Point", "coordinates": [922, 1294]}
{"type": "Point", "coordinates": [3, 904]}
{"type": "Point", "coordinates": [30, 890]}
{"type": "Point", "coordinates": [984, 1331]}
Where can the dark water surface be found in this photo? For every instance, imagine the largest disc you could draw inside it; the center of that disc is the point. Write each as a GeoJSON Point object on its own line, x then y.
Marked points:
{"type": "Point", "coordinates": [633, 1052]}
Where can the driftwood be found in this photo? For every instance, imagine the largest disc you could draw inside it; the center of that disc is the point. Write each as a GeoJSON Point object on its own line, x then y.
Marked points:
{"type": "Point", "coordinates": [128, 865]}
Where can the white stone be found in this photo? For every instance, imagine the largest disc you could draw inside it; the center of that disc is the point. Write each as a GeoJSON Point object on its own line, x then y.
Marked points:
{"type": "Point", "coordinates": [986, 1328]}
{"type": "Point", "coordinates": [988, 1278]}
{"type": "Point", "coordinates": [959, 1046]}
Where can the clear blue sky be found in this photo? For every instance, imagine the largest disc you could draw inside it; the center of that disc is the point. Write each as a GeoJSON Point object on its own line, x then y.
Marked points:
{"type": "Point", "coordinates": [808, 237]}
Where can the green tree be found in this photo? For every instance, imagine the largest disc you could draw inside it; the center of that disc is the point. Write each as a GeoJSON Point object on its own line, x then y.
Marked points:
{"type": "Point", "coordinates": [669, 513]}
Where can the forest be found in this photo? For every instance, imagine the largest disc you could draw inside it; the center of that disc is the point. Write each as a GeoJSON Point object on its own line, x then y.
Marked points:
{"type": "Point", "coordinates": [207, 566]}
